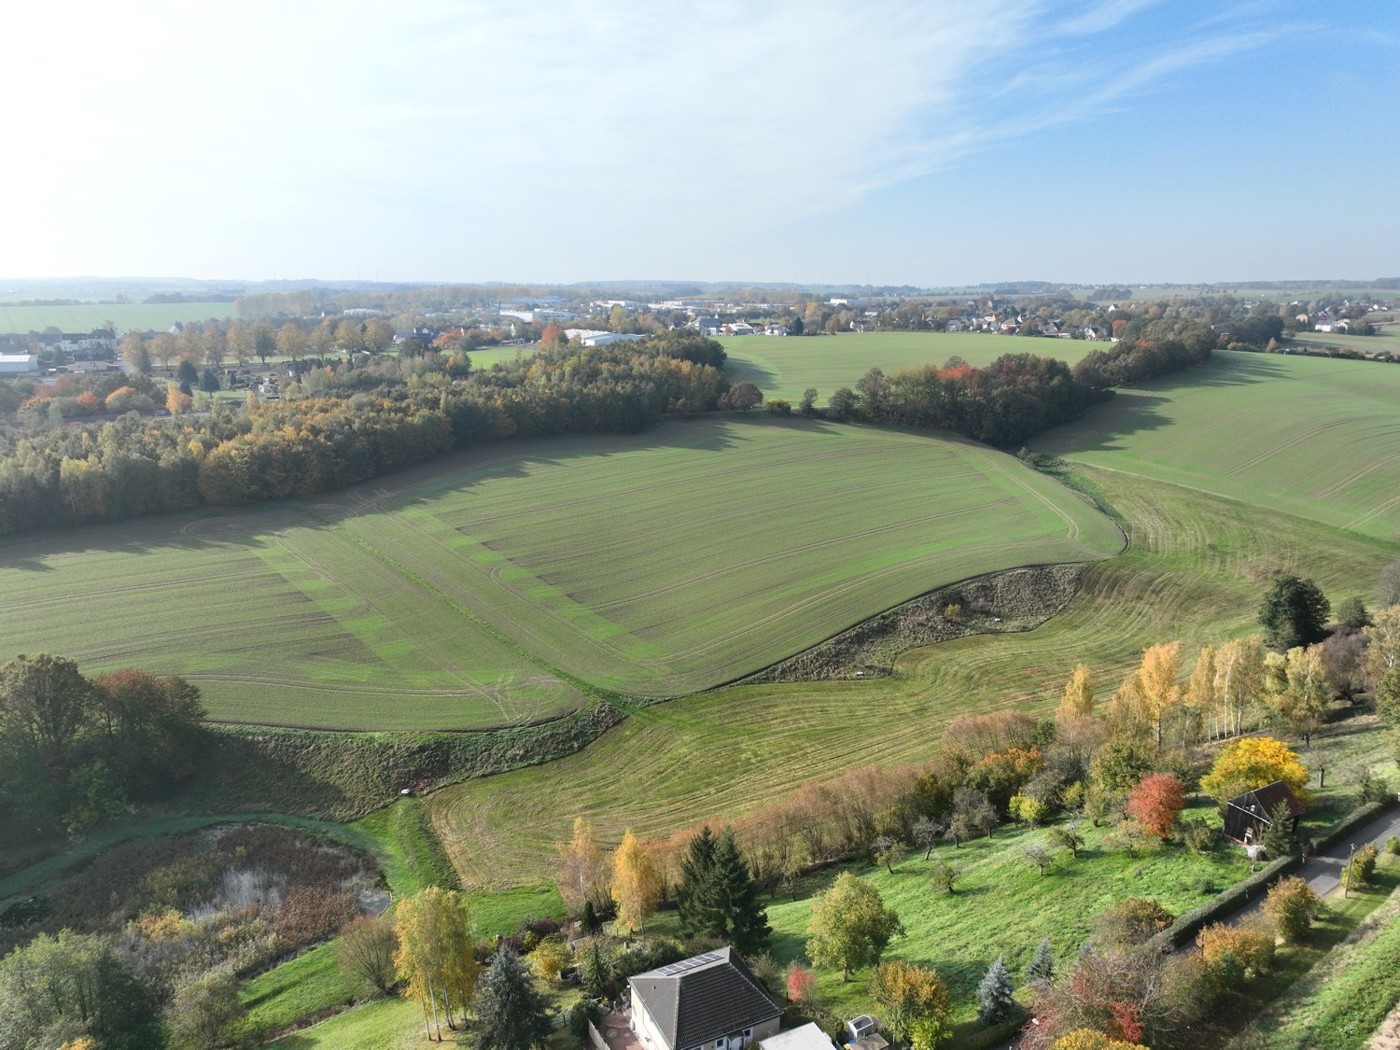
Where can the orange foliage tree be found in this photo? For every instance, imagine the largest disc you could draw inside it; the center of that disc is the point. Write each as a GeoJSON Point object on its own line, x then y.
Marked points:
{"type": "Point", "coordinates": [1156, 803]}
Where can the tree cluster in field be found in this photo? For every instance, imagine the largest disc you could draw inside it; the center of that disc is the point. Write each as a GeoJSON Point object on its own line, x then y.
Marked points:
{"type": "Point", "coordinates": [75, 751]}
{"type": "Point", "coordinates": [147, 945]}
{"type": "Point", "coordinates": [373, 419]}
{"type": "Point", "coordinates": [1015, 397]}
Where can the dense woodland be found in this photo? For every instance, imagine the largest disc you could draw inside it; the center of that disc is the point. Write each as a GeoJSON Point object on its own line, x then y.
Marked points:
{"type": "Point", "coordinates": [353, 420]}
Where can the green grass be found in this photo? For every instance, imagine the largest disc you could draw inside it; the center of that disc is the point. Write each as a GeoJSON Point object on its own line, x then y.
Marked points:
{"type": "Point", "coordinates": [785, 367]}
{"type": "Point", "coordinates": [412, 856]}
{"type": "Point", "coordinates": [1195, 570]}
{"type": "Point", "coordinates": [1003, 906]}
{"type": "Point", "coordinates": [481, 590]}
{"type": "Point", "coordinates": [385, 1024]}
{"type": "Point", "coordinates": [1311, 436]}
{"type": "Point", "coordinates": [87, 316]}
{"type": "Point", "coordinates": [310, 984]}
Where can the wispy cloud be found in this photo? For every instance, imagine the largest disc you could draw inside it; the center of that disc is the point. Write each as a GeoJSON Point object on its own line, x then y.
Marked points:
{"type": "Point", "coordinates": [466, 127]}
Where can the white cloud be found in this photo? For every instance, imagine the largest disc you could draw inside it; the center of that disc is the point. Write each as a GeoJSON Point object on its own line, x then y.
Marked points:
{"type": "Point", "coordinates": [398, 138]}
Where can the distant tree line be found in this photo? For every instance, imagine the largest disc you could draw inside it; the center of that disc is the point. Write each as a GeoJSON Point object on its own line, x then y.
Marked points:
{"type": "Point", "coordinates": [1013, 398]}
{"type": "Point", "coordinates": [364, 421]}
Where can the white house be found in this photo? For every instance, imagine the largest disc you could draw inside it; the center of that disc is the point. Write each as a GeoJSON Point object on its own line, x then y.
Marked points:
{"type": "Point", "coordinates": [707, 1002]}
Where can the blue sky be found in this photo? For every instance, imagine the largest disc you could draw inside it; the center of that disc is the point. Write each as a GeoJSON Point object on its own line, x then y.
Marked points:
{"type": "Point", "coordinates": [934, 143]}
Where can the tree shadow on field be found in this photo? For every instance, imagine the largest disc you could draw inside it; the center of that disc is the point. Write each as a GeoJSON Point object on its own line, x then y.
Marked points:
{"type": "Point", "coordinates": [1135, 410]}
{"type": "Point", "coordinates": [738, 370]}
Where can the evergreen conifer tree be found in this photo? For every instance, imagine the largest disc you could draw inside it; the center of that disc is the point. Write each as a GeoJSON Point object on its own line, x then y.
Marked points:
{"type": "Point", "coordinates": [732, 899]}
{"type": "Point", "coordinates": [510, 1014]}
{"type": "Point", "coordinates": [696, 869]}
{"type": "Point", "coordinates": [994, 1000]}
{"type": "Point", "coordinates": [1042, 967]}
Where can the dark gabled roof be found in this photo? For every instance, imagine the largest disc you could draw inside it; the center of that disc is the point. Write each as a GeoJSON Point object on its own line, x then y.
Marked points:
{"type": "Point", "coordinates": [1267, 798]}
{"type": "Point", "coordinates": [702, 998]}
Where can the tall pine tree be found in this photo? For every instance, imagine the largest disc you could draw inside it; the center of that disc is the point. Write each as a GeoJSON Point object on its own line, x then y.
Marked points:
{"type": "Point", "coordinates": [696, 869]}
{"type": "Point", "coordinates": [717, 895]}
{"type": "Point", "coordinates": [510, 1014]}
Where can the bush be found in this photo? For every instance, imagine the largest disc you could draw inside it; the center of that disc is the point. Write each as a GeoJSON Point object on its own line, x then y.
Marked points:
{"type": "Point", "coordinates": [1197, 835]}
{"type": "Point", "coordinates": [1133, 920]}
{"type": "Point", "coordinates": [1392, 846]}
{"type": "Point", "coordinates": [1236, 953]}
{"type": "Point", "coordinates": [1292, 905]}
{"type": "Point", "coordinates": [1363, 865]}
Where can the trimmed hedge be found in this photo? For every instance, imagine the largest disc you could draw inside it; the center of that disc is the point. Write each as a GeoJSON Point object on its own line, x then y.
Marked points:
{"type": "Point", "coordinates": [1184, 930]}
{"type": "Point", "coordinates": [1361, 815]}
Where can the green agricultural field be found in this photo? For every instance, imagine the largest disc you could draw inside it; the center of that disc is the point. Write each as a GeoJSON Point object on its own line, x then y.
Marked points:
{"type": "Point", "coordinates": [87, 316]}
{"type": "Point", "coordinates": [477, 590]}
{"type": "Point", "coordinates": [1311, 436]}
{"type": "Point", "coordinates": [784, 367]}
{"type": "Point", "coordinates": [1195, 570]}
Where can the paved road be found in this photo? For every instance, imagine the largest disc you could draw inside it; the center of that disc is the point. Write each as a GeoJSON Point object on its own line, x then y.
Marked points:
{"type": "Point", "coordinates": [1324, 871]}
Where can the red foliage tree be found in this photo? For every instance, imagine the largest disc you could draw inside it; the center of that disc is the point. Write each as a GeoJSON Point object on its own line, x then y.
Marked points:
{"type": "Point", "coordinates": [1156, 803]}
{"type": "Point", "coordinates": [801, 983]}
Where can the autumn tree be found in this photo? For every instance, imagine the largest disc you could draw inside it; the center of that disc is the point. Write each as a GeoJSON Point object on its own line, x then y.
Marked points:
{"type": "Point", "coordinates": [1239, 951]}
{"type": "Point", "coordinates": [1078, 699]}
{"type": "Point", "coordinates": [1292, 905]}
{"type": "Point", "coordinates": [290, 342]}
{"type": "Point", "coordinates": [435, 957]}
{"type": "Point", "coordinates": [1158, 687]}
{"type": "Point", "coordinates": [1156, 802]}
{"type": "Point", "coordinates": [850, 926]}
{"type": "Point", "coordinates": [910, 994]}
{"type": "Point", "coordinates": [636, 882]}
{"type": "Point", "coordinates": [1199, 699]}
{"type": "Point", "coordinates": [1130, 922]}
{"type": "Point", "coordinates": [1299, 687]}
{"type": "Point", "coordinates": [366, 952]}
{"type": "Point", "coordinates": [1293, 612]}
{"type": "Point", "coordinates": [801, 984]}
{"type": "Point", "coordinates": [973, 814]}
{"type": "Point", "coordinates": [510, 1014]}
{"type": "Point", "coordinates": [1383, 648]}
{"type": "Point", "coordinates": [583, 870]}
{"type": "Point", "coordinates": [136, 354]}
{"type": "Point", "coordinates": [1239, 668]}
{"type": "Point", "coordinates": [1253, 762]}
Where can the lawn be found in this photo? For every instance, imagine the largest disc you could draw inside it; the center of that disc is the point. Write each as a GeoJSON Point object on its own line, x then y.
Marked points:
{"type": "Point", "coordinates": [1312, 436]}
{"type": "Point", "coordinates": [479, 590]}
{"type": "Point", "coordinates": [1195, 570]}
{"type": "Point", "coordinates": [784, 367]}
{"type": "Point", "coordinates": [1003, 906]}
{"type": "Point", "coordinates": [87, 316]}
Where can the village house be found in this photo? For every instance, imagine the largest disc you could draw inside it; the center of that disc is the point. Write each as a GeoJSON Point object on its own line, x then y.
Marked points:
{"type": "Point", "coordinates": [707, 1002]}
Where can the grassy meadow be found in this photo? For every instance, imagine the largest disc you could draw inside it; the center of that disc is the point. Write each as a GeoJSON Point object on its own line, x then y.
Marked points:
{"type": "Point", "coordinates": [86, 316]}
{"type": "Point", "coordinates": [1195, 569]}
{"type": "Point", "coordinates": [1311, 436]}
{"type": "Point", "coordinates": [476, 591]}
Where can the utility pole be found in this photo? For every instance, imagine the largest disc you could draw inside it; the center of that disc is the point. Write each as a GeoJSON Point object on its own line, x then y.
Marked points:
{"type": "Point", "coordinates": [1346, 875]}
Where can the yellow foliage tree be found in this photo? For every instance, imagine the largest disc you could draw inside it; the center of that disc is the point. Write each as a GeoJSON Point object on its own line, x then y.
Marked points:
{"type": "Point", "coordinates": [909, 994]}
{"type": "Point", "coordinates": [1252, 762]}
{"type": "Point", "coordinates": [636, 884]}
{"type": "Point", "coordinates": [1200, 693]}
{"type": "Point", "coordinates": [1383, 649]}
{"type": "Point", "coordinates": [176, 402]}
{"type": "Point", "coordinates": [583, 871]}
{"type": "Point", "coordinates": [1157, 685]}
{"type": "Point", "coordinates": [435, 957]}
{"type": "Point", "coordinates": [1078, 700]}
{"type": "Point", "coordinates": [1239, 669]}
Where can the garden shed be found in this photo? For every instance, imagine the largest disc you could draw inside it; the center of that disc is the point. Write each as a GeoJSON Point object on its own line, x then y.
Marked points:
{"type": "Point", "coordinates": [1248, 815]}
